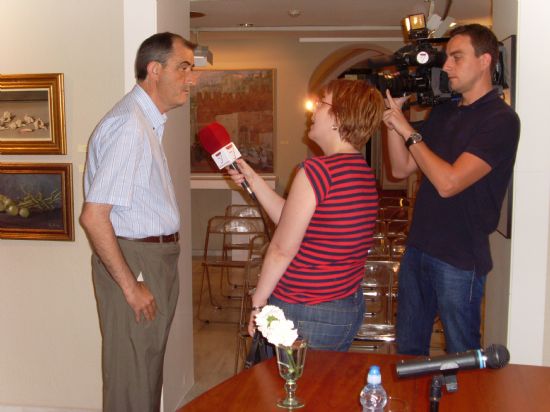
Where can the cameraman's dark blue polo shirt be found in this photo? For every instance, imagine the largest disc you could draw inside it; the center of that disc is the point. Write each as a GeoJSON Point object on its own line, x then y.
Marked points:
{"type": "Point", "coordinates": [456, 229]}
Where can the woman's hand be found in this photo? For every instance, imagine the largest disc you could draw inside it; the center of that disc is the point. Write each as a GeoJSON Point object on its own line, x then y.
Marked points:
{"type": "Point", "coordinates": [252, 323]}
{"type": "Point", "coordinates": [245, 172]}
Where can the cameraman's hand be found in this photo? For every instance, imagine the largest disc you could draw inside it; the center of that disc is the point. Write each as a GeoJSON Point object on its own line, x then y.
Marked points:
{"type": "Point", "coordinates": [393, 115]}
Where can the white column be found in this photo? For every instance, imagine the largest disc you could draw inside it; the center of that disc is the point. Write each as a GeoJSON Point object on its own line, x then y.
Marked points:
{"type": "Point", "coordinates": [528, 322]}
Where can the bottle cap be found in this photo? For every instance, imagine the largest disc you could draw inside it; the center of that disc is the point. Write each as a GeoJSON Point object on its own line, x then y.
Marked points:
{"type": "Point", "coordinates": [374, 377]}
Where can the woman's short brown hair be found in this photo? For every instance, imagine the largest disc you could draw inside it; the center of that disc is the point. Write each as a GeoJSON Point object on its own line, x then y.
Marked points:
{"type": "Point", "coordinates": [357, 107]}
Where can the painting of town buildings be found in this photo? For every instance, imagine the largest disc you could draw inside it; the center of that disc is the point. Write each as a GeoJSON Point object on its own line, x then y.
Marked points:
{"type": "Point", "coordinates": [243, 102]}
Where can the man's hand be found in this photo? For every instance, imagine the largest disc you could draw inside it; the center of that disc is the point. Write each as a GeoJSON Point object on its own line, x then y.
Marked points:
{"type": "Point", "coordinates": [95, 220]}
{"type": "Point", "coordinates": [142, 301]}
{"type": "Point", "coordinates": [394, 118]}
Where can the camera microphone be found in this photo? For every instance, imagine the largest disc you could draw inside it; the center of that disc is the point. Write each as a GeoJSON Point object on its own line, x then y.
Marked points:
{"type": "Point", "coordinates": [494, 357]}
{"type": "Point", "coordinates": [216, 141]}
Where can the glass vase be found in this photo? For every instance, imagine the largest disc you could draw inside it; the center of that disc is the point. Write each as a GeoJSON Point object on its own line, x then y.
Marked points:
{"type": "Point", "coordinates": [290, 360]}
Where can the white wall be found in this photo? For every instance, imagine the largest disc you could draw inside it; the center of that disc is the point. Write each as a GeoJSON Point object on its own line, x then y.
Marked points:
{"type": "Point", "coordinates": [50, 346]}
{"type": "Point", "coordinates": [173, 15]}
{"type": "Point", "coordinates": [528, 327]}
{"type": "Point", "coordinates": [497, 290]}
{"type": "Point", "coordinates": [50, 350]}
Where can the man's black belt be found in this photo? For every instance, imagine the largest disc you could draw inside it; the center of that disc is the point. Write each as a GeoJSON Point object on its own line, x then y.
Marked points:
{"type": "Point", "coordinates": [173, 238]}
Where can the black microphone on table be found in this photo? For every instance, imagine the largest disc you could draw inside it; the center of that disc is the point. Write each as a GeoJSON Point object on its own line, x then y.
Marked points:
{"type": "Point", "coordinates": [216, 141]}
{"type": "Point", "coordinates": [494, 357]}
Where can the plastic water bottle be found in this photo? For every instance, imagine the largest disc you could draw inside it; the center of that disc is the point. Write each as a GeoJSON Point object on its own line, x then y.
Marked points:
{"type": "Point", "coordinates": [373, 397]}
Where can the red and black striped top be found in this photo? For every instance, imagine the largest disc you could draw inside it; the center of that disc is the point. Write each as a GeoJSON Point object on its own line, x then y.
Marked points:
{"type": "Point", "coordinates": [330, 262]}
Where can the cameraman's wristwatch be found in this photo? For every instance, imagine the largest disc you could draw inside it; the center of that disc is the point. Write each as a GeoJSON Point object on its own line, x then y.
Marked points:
{"type": "Point", "coordinates": [414, 138]}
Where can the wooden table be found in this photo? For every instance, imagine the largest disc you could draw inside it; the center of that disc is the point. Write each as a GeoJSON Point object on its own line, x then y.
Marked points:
{"type": "Point", "coordinates": [332, 381]}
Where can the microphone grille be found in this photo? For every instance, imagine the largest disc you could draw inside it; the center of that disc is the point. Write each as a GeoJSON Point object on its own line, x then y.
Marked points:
{"type": "Point", "coordinates": [213, 137]}
{"type": "Point", "coordinates": [497, 356]}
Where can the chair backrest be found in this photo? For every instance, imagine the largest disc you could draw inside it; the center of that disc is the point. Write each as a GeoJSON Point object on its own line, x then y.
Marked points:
{"type": "Point", "coordinates": [380, 273]}
{"type": "Point", "coordinates": [397, 227]}
{"type": "Point", "coordinates": [399, 201]}
{"type": "Point", "coordinates": [236, 225]}
{"type": "Point", "coordinates": [380, 228]}
{"type": "Point", "coordinates": [380, 249]}
{"type": "Point", "coordinates": [378, 284]}
{"type": "Point", "coordinates": [397, 247]}
{"type": "Point", "coordinates": [242, 210]}
{"type": "Point", "coordinates": [393, 212]}
{"type": "Point", "coordinates": [257, 247]}
{"type": "Point", "coordinates": [221, 227]}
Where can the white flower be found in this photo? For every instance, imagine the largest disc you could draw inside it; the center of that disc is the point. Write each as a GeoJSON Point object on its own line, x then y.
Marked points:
{"type": "Point", "coordinates": [282, 332]}
{"type": "Point", "coordinates": [275, 327]}
{"type": "Point", "coordinates": [268, 314]}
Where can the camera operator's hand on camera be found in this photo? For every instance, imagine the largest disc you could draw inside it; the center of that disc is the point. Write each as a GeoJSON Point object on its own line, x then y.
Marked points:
{"type": "Point", "coordinates": [394, 118]}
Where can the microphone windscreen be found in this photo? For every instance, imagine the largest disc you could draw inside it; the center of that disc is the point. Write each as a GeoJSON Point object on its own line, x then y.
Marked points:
{"type": "Point", "coordinates": [213, 137]}
{"type": "Point", "coordinates": [497, 356]}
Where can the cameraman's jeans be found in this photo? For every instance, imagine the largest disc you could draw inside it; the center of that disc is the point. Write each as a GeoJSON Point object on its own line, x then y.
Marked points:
{"type": "Point", "coordinates": [328, 325]}
{"type": "Point", "coordinates": [428, 286]}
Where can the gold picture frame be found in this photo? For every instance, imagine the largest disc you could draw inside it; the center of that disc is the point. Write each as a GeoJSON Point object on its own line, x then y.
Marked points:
{"type": "Point", "coordinates": [32, 114]}
{"type": "Point", "coordinates": [36, 201]}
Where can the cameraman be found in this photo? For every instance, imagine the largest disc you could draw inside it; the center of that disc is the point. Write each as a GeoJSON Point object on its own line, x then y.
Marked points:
{"type": "Point", "coordinates": [466, 152]}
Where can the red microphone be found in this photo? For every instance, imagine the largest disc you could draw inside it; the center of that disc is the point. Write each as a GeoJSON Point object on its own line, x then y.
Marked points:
{"type": "Point", "coordinates": [216, 141]}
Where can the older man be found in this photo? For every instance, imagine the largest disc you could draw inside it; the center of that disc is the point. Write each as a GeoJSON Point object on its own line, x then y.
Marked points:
{"type": "Point", "coordinates": [132, 220]}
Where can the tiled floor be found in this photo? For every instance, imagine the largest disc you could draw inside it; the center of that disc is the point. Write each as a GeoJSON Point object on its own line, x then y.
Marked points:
{"type": "Point", "coordinates": [214, 341]}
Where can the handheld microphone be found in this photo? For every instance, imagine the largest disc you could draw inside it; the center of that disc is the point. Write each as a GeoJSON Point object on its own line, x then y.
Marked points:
{"type": "Point", "coordinates": [216, 141]}
{"type": "Point", "coordinates": [494, 357]}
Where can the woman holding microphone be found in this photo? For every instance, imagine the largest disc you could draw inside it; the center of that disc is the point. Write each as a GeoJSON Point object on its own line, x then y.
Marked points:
{"type": "Point", "coordinates": [314, 265]}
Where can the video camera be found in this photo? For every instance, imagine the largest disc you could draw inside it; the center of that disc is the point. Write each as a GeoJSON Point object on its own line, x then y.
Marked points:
{"type": "Point", "coordinates": [419, 70]}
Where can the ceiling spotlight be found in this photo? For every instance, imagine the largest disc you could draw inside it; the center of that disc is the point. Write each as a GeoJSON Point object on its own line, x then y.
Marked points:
{"type": "Point", "coordinates": [294, 12]}
{"type": "Point", "coordinates": [246, 25]}
{"type": "Point", "coordinates": [203, 56]}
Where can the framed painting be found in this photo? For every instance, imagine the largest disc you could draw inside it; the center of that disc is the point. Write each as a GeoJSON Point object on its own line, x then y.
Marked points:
{"type": "Point", "coordinates": [508, 57]}
{"type": "Point", "coordinates": [36, 201]}
{"type": "Point", "coordinates": [32, 114]}
{"type": "Point", "coordinates": [243, 102]}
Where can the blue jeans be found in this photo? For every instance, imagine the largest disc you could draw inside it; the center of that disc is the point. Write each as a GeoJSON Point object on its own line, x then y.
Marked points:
{"type": "Point", "coordinates": [428, 286]}
{"type": "Point", "coordinates": [328, 325]}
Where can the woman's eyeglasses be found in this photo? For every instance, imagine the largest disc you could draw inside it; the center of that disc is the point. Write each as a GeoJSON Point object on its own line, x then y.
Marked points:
{"type": "Point", "coordinates": [312, 105]}
{"type": "Point", "coordinates": [319, 103]}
